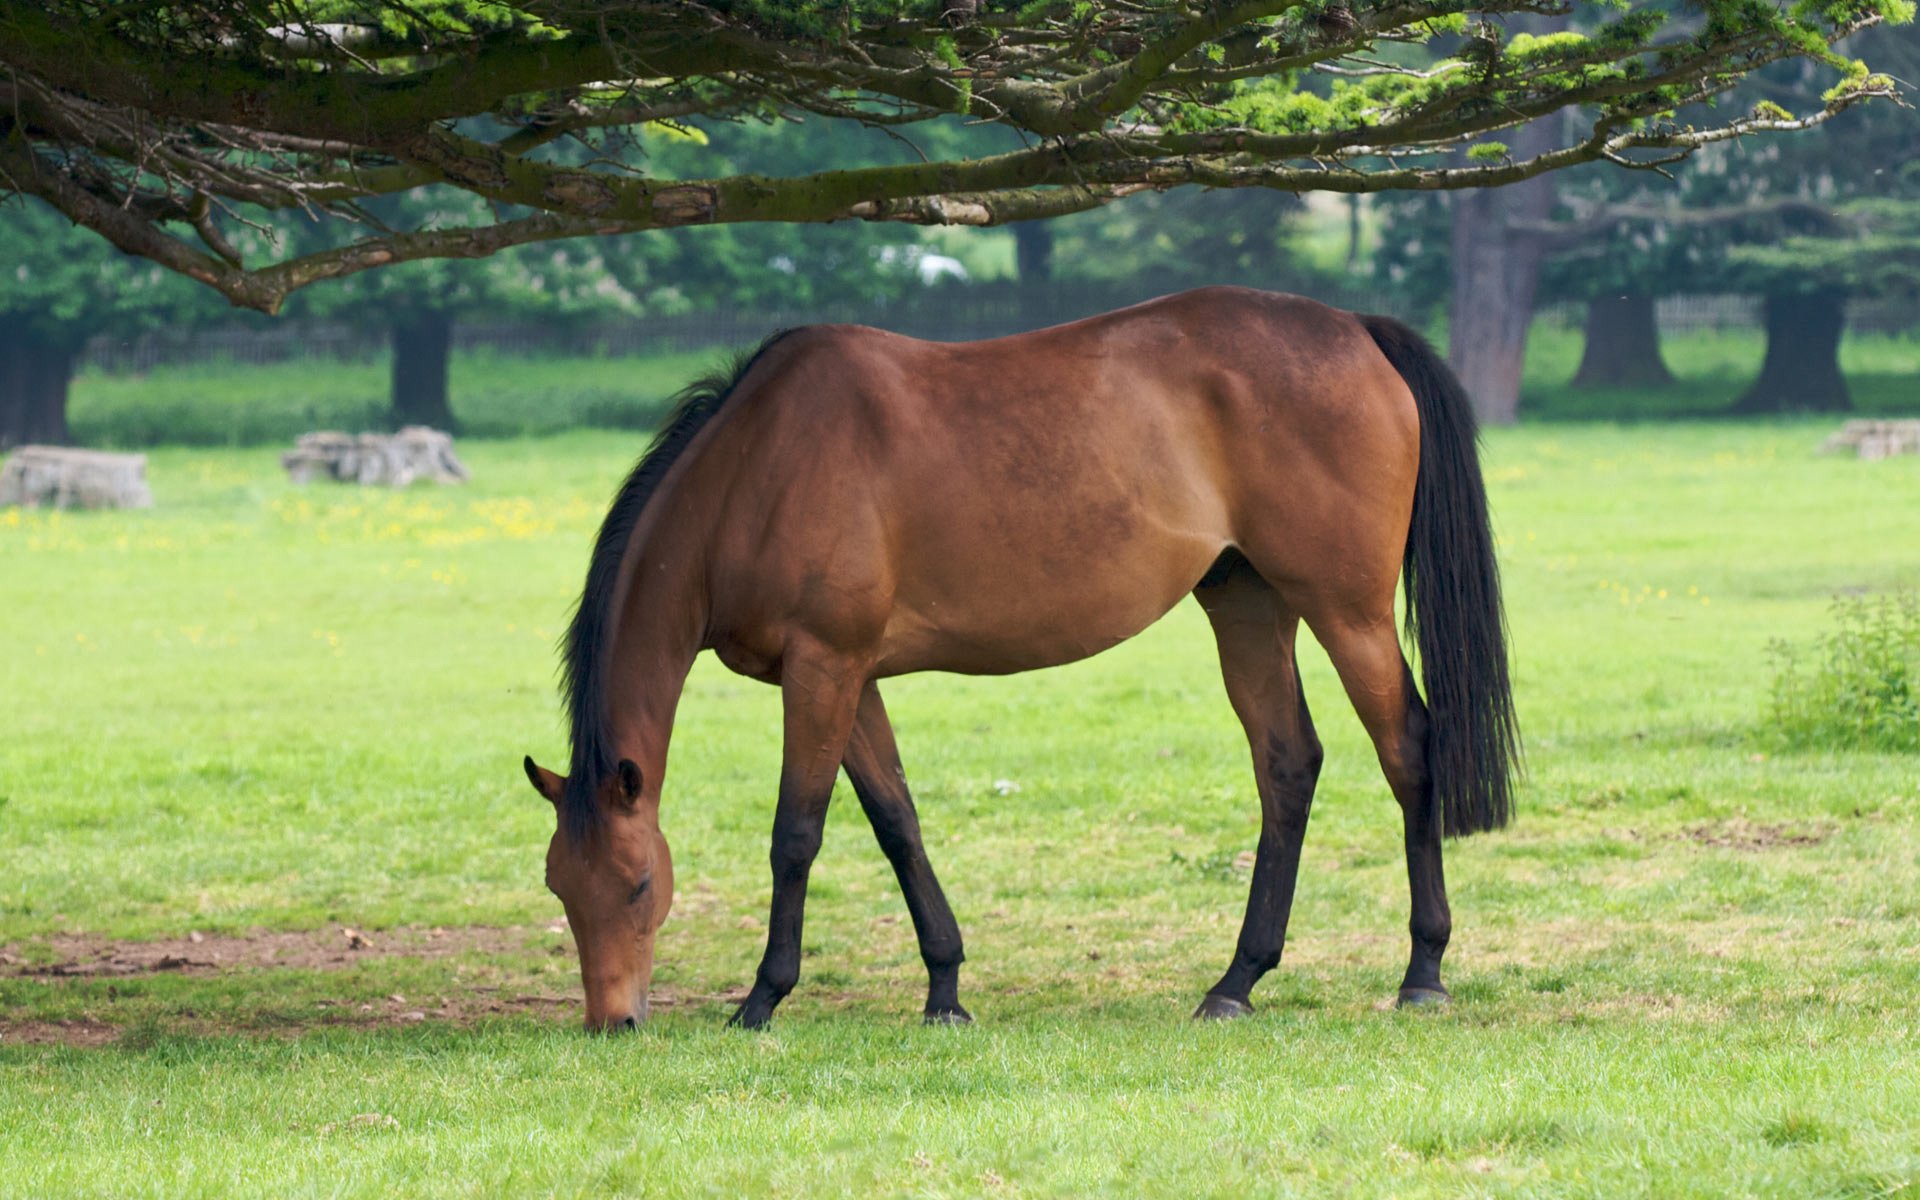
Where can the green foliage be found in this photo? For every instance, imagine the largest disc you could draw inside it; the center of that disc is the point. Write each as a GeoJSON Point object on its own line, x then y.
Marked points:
{"type": "Point", "coordinates": [777, 265]}
{"type": "Point", "coordinates": [1165, 241]}
{"type": "Point", "coordinates": [1737, 216]}
{"type": "Point", "coordinates": [1868, 248]}
{"type": "Point", "coordinates": [1857, 687]}
{"type": "Point", "coordinates": [65, 284]}
{"type": "Point", "coordinates": [549, 117]}
{"type": "Point", "coordinates": [553, 282]}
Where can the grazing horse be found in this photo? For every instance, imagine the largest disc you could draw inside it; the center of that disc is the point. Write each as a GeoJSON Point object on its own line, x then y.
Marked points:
{"type": "Point", "coordinates": [848, 505]}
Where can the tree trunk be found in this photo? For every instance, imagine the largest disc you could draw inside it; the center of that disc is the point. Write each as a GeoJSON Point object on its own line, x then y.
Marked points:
{"type": "Point", "coordinates": [1496, 266]}
{"type": "Point", "coordinates": [1623, 345]}
{"type": "Point", "coordinates": [1801, 372]}
{"type": "Point", "coordinates": [422, 344]}
{"type": "Point", "coordinates": [1033, 251]}
{"type": "Point", "coordinates": [392, 459]}
{"type": "Point", "coordinates": [1496, 273]}
{"type": "Point", "coordinates": [37, 476]}
{"type": "Point", "coordinates": [34, 374]}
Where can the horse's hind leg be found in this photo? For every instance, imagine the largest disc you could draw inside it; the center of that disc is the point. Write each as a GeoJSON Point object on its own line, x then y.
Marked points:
{"type": "Point", "coordinates": [819, 693]}
{"type": "Point", "coordinates": [873, 764]}
{"type": "Point", "coordinates": [1367, 654]}
{"type": "Point", "coordinates": [1255, 633]}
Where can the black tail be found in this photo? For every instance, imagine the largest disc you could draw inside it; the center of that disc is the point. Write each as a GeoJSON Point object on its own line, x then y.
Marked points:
{"type": "Point", "coordinates": [1453, 598]}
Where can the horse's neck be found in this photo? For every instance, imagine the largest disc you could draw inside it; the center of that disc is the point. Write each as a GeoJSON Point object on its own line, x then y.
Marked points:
{"type": "Point", "coordinates": [661, 629]}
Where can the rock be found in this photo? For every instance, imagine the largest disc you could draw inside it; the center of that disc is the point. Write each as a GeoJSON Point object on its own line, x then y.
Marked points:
{"type": "Point", "coordinates": [66, 478]}
{"type": "Point", "coordinates": [386, 459]}
{"type": "Point", "coordinates": [1876, 439]}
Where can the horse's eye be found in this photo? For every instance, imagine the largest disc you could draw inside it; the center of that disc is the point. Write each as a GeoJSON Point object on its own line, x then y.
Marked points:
{"type": "Point", "coordinates": [640, 890]}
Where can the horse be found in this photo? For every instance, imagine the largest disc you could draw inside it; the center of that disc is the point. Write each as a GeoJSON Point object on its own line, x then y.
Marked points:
{"type": "Point", "coordinates": [846, 505]}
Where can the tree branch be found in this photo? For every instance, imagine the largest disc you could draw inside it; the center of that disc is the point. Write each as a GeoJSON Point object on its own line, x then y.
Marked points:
{"type": "Point", "coordinates": [127, 117]}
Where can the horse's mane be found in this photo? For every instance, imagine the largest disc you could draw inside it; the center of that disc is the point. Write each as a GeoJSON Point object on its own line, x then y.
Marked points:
{"type": "Point", "coordinates": [590, 635]}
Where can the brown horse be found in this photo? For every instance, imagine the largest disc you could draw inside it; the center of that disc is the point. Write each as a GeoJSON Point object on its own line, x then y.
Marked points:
{"type": "Point", "coordinates": [850, 504]}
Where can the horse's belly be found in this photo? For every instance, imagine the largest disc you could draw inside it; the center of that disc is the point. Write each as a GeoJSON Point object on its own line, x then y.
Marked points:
{"type": "Point", "coordinates": [1009, 616]}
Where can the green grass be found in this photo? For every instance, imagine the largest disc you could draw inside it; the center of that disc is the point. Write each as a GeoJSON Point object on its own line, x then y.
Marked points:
{"type": "Point", "coordinates": [1688, 970]}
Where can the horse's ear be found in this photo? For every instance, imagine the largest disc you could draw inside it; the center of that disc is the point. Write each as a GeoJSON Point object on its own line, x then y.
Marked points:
{"type": "Point", "coordinates": [544, 781]}
{"type": "Point", "coordinates": [629, 780]}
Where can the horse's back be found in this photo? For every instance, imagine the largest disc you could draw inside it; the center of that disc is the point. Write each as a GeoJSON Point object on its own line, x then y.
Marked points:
{"type": "Point", "coordinates": [1033, 499]}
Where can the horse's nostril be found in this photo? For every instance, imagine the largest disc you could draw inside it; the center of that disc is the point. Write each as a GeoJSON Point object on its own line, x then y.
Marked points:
{"type": "Point", "coordinates": [629, 1024]}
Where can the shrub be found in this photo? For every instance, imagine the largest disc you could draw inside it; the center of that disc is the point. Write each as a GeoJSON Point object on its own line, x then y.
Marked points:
{"type": "Point", "coordinates": [1856, 687]}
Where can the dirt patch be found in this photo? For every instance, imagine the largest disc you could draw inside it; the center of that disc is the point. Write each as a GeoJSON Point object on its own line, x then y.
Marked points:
{"type": "Point", "coordinates": [1755, 836]}
{"type": "Point", "coordinates": [57, 1033]}
{"type": "Point", "coordinates": [398, 1012]}
{"type": "Point", "coordinates": [93, 955]}
{"type": "Point", "coordinates": [84, 956]}
{"type": "Point", "coordinates": [467, 1008]}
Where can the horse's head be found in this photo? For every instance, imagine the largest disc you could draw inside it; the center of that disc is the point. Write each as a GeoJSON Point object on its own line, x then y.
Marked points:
{"type": "Point", "coordinates": [617, 884]}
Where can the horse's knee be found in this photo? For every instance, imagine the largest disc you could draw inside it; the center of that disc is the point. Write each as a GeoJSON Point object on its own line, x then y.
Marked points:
{"type": "Point", "coordinates": [942, 952]}
{"type": "Point", "coordinates": [1404, 762]}
{"type": "Point", "coordinates": [779, 974]}
{"type": "Point", "coordinates": [1431, 931]}
{"type": "Point", "coordinates": [1293, 766]}
{"type": "Point", "coordinates": [1300, 763]}
{"type": "Point", "coordinates": [795, 847]}
{"type": "Point", "coordinates": [1292, 773]}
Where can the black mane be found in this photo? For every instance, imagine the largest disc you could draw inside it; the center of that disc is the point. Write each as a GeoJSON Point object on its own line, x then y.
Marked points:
{"type": "Point", "coordinates": [584, 659]}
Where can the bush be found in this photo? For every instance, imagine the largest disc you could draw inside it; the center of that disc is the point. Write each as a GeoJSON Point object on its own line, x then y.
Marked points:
{"type": "Point", "coordinates": [1855, 688]}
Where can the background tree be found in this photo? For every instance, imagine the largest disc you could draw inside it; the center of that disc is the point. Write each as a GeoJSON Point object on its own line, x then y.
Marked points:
{"type": "Point", "coordinates": [1184, 238]}
{"type": "Point", "coordinates": [59, 286]}
{"type": "Point", "coordinates": [1865, 249]}
{"type": "Point", "coordinates": [1620, 240]}
{"type": "Point", "coordinates": [1748, 217]}
{"type": "Point", "coordinates": [1495, 257]}
{"type": "Point", "coordinates": [157, 124]}
{"type": "Point", "coordinates": [1816, 250]}
{"type": "Point", "coordinates": [417, 304]}
{"type": "Point", "coordinates": [1618, 244]}
{"type": "Point", "coordinates": [777, 265]}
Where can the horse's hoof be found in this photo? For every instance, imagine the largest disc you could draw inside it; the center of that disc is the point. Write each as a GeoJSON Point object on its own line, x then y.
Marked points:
{"type": "Point", "coordinates": [1221, 1008]}
{"type": "Point", "coordinates": [948, 1016]}
{"type": "Point", "coordinates": [1422, 997]}
{"type": "Point", "coordinates": [751, 1016]}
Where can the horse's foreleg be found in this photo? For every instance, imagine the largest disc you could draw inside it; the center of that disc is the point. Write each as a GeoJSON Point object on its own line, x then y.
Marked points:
{"type": "Point", "coordinates": [1255, 634]}
{"type": "Point", "coordinates": [873, 764]}
{"type": "Point", "coordinates": [818, 694]}
{"type": "Point", "coordinates": [1381, 685]}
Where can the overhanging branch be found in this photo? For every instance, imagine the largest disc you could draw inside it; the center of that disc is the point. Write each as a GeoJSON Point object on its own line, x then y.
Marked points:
{"type": "Point", "coordinates": [143, 119]}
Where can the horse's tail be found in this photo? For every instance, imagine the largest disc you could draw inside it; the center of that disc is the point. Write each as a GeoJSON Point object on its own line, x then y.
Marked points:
{"type": "Point", "coordinates": [1454, 615]}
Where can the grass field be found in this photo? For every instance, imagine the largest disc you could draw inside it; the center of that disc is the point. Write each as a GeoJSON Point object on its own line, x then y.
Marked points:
{"type": "Point", "coordinates": [256, 717]}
